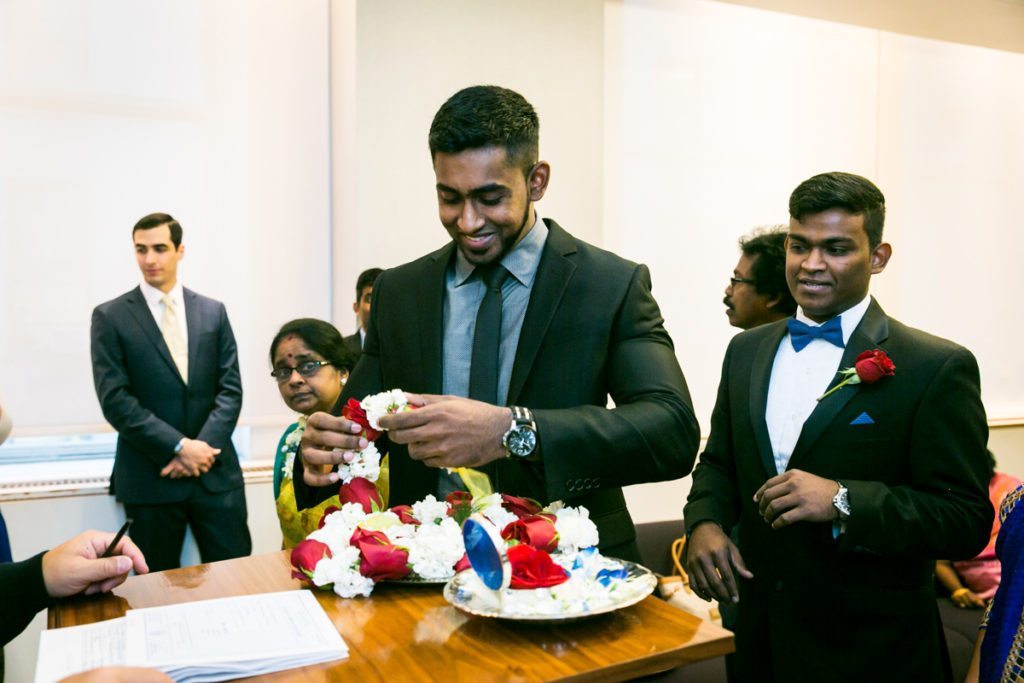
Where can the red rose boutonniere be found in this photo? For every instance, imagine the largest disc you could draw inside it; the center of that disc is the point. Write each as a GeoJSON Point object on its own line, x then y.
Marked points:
{"type": "Point", "coordinates": [869, 367]}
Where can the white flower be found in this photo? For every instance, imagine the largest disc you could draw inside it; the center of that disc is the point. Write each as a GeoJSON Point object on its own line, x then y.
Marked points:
{"type": "Point", "coordinates": [291, 447]}
{"type": "Point", "coordinates": [498, 516]}
{"type": "Point", "coordinates": [339, 526]}
{"type": "Point", "coordinates": [430, 510]}
{"type": "Point", "coordinates": [384, 403]}
{"type": "Point", "coordinates": [401, 534]}
{"type": "Point", "coordinates": [575, 530]}
{"type": "Point", "coordinates": [435, 549]}
{"type": "Point", "coordinates": [366, 464]}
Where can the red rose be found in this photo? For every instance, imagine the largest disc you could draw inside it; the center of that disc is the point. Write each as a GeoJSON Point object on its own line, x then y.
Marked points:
{"type": "Point", "coordinates": [874, 365]}
{"type": "Point", "coordinates": [380, 559]}
{"type": "Point", "coordinates": [362, 491]}
{"type": "Point", "coordinates": [323, 518]}
{"type": "Point", "coordinates": [520, 507]}
{"type": "Point", "coordinates": [404, 513]}
{"type": "Point", "coordinates": [354, 411]}
{"type": "Point", "coordinates": [460, 505]}
{"type": "Point", "coordinates": [532, 568]}
{"type": "Point", "coordinates": [534, 530]}
{"type": "Point", "coordinates": [304, 557]}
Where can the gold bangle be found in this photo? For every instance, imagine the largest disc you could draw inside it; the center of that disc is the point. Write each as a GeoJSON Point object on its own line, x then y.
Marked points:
{"type": "Point", "coordinates": [958, 592]}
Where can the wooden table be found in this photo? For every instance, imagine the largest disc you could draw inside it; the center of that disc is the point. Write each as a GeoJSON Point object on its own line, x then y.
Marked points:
{"type": "Point", "coordinates": [409, 633]}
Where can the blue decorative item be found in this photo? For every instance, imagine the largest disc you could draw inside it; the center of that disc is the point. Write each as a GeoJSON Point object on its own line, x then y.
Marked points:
{"type": "Point", "coordinates": [863, 419]}
{"type": "Point", "coordinates": [485, 549]}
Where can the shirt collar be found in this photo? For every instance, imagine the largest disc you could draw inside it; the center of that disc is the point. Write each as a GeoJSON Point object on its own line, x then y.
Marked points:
{"type": "Point", "coordinates": [851, 317]}
{"type": "Point", "coordinates": [154, 295]}
{"type": "Point", "coordinates": [521, 262]}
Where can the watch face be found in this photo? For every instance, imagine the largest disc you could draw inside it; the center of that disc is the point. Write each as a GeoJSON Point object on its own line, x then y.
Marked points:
{"type": "Point", "coordinates": [522, 441]}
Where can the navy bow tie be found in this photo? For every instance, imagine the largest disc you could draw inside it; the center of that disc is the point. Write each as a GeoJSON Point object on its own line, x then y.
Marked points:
{"type": "Point", "coordinates": [801, 334]}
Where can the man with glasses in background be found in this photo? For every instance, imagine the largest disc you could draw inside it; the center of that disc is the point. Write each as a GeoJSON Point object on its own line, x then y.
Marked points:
{"type": "Point", "coordinates": [757, 291]}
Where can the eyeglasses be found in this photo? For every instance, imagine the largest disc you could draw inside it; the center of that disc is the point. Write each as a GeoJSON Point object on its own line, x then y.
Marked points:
{"type": "Point", "coordinates": [744, 280]}
{"type": "Point", "coordinates": [306, 369]}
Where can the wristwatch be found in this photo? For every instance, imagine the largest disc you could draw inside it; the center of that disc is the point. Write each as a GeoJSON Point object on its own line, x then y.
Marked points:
{"type": "Point", "coordinates": [180, 446]}
{"type": "Point", "coordinates": [520, 441]}
{"type": "Point", "coordinates": [841, 502]}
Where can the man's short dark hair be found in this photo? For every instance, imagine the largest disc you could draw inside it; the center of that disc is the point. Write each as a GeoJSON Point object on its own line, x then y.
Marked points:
{"type": "Point", "coordinates": [155, 220]}
{"type": "Point", "coordinates": [767, 250]}
{"type": "Point", "coordinates": [487, 116]}
{"type": "Point", "coordinates": [319, 336]}
{"type": "Point", "coordinates": [852, 193]}
{"type": "Point", "coordinates": [366, 279]}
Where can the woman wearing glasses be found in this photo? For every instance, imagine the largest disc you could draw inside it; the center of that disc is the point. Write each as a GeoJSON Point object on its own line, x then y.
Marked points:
{"type": "Point", "coordinates": [311, 364]}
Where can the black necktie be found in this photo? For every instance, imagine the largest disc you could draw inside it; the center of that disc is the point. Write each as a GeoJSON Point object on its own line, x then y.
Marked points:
{"type": "Point", "coordinates": [483, 373]}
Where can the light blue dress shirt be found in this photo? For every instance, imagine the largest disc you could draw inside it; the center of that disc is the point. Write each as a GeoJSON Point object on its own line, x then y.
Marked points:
{"type": "Point", "coordinates": [464, 290]}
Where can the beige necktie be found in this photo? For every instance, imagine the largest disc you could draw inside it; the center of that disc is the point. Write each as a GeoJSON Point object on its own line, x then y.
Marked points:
{"type": "Point", "coordinates": [171, 329]}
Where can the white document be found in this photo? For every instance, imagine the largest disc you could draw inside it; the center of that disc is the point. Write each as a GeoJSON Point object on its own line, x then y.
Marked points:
{"type": "Point", "coordinates": [211, 640]}
{"type": "Point", "coordinates": [65, 651]}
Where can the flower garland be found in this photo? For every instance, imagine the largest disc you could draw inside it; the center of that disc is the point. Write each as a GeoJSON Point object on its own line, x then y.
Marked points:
{"type": "Point", "coordinates": [552, 550]}
{"type": "Point", "coordinates": [291, 447]}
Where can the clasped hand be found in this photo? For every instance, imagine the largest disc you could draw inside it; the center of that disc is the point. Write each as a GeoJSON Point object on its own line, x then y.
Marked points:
{"type": "Point", "coordinates": [196, 457]}
{"type": "Point", "coordinates": [796, 496]}
{"type": "Point", "coordinates": [442, 431]}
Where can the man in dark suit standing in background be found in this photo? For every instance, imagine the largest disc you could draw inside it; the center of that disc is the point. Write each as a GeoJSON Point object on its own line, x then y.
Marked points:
{"type": "Point", "coordinates": [361, 307]}
{"type": "Point", "coordinates": [845, 500]}
{"type": "Point", "coordinates": [165, 368]}
{"type": "Point", "coordinates": [527, 331]}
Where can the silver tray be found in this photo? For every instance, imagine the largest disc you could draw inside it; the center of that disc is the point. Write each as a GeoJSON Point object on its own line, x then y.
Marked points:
{"type": "Point", "coordinates": [641, 580]}
{"type": "Point", "coordinates": [414, 579]}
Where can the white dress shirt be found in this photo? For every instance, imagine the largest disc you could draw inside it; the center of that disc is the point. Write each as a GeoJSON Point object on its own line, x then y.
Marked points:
{"type": "Point", "coordinates": [156, 307]}
{"type": "Point", "coordinates": [799, 378]}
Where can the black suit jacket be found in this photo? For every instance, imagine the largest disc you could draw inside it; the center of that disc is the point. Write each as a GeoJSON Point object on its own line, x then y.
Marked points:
{"type": "Point", "coordinates": [144, 398]}
{"type": "Point", "coordinates": [22, 593]}
{"type": "Point", "coordinates": [862, 606]}
{"type": "Point", "coordinates": [354, 345]}
{"type": "Point", "coordinates": [592, 330]}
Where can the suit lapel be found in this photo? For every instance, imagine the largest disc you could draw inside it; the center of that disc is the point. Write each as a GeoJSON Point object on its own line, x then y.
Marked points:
{"type": "Point", "coordinates": [553, 274]}
{"type": "Point", "coordinates": [760, 378]}
{"type": "Point", "coordinates": [193, 321]}
{"type": "Point", "coordinates": [139, 310]}
{"type": "Point", "coordinates": [430, 311]}
{"type": "Point", "coordinates": [872, 330]}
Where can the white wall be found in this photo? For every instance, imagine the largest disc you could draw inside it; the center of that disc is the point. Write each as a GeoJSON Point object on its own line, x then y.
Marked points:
{"type": "Point", "coordinates": [410, 56]}
{"type": "Point", "coordinates": [216, 112]}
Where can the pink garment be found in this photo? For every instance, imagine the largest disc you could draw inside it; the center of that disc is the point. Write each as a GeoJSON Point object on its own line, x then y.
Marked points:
{"type": "Point", "coordinates": [982, 573]}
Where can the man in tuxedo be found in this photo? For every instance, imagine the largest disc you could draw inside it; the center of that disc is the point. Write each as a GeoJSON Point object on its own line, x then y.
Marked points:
{"type": "Point", "coordinates": [757, 291]}
{"type": "Point", "coordinates": [165, 368]}
{"type": "Point", "coordinates": [361, 307]}
{"type": "Point", "coordinates": [843, 501]}
{"type": "Point", "coordinates": [525, 330]}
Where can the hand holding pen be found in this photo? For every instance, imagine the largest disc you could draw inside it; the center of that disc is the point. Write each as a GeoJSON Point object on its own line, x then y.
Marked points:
{"type": "Point", "coordinates": [86, 563]}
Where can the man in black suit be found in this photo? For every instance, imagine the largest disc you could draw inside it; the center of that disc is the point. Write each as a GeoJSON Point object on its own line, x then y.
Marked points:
{"type": "Point", "coordinates": [526, 330]}
{"type": "Point", "coordinates": [361, 307]}
{"type": "Point", "coordinates": [843, 501]}
{"type": "Point", "coordinates": [165, 368]}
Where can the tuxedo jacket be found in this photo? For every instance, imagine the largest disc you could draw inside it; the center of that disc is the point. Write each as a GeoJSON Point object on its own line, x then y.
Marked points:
{"type": "Point", "coordinates": [591, 330]}
{"type": "Point", "coordinates": [22, 593]}
{"type": "Point", "coordinates": [144, 398]}
{"type": "Point", "coordinates": [910, 449]}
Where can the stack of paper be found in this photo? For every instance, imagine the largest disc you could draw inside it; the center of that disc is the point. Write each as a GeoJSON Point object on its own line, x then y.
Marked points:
{"type": "Point", "coordinates": [210, 640]}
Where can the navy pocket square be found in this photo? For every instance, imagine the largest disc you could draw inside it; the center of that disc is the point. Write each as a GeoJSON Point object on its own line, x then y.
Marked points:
{"type": "Point", "coordinates": [862, 419]}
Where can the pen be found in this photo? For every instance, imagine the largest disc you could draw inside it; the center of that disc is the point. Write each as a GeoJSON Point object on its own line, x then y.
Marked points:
{"type": "Point", "coordinates": [109, 552]}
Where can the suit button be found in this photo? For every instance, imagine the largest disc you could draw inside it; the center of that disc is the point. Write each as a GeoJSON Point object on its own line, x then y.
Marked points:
{"type": "Point", "coordinates": [596, 482]}
{"type": "Point", "coordinates": [570, 485]}
{"type": "Point", "coordinates": [778, 585]}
